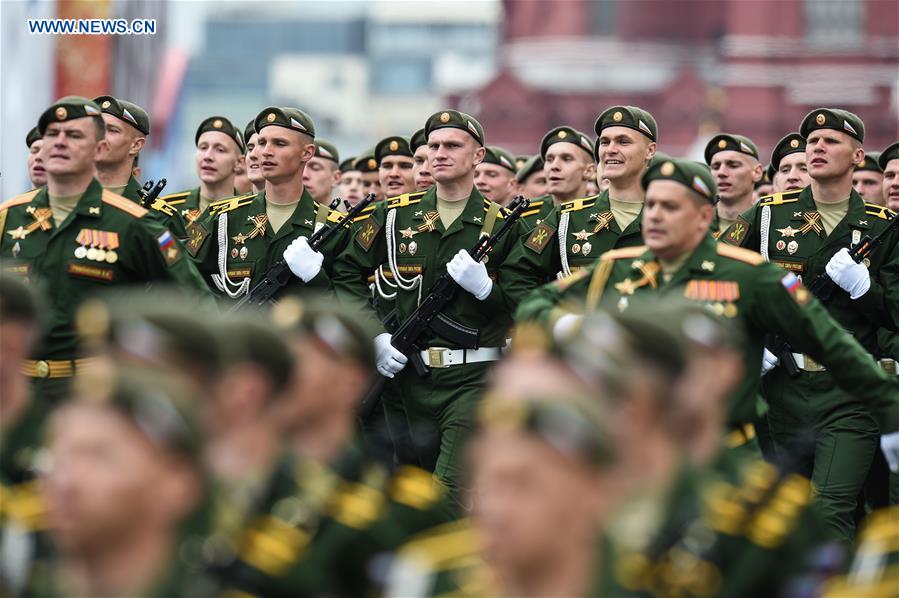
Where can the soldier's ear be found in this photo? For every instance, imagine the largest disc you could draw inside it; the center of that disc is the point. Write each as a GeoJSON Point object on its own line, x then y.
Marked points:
{"type": "Point", "coordinates": [650, 151]}
{"type": "Point", "coordinates": [102, 146]}
{"type": "Point", "coordinates": [240, 163]}
{"type": "Point", "coordinates": [757, 172]}
{"type": "Point", "coordinates": [479, 155]}
{"type": "Point", "coordinates": [137, 145]}
{"type": "Point", "coordinates": [589, 172]}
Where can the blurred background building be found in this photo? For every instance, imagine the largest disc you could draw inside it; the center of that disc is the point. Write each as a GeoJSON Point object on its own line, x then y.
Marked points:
{"type": "Point", "coordinates": [368, 68]}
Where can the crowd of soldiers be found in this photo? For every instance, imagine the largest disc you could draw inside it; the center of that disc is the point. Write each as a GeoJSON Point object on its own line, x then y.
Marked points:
{"type": "Point", "coordinates": [644, 375]}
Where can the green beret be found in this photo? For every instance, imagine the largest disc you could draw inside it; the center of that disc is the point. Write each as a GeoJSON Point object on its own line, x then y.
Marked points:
{"type": "Point", "coordinates": [418, 140]}
{"type": "Point", "coordinates": [347, 165]}
{"type": "Point", "coordinates": [394, 145]}
{"type": "Point", "coordinates": [289, 118]}
{"type": "Point", "coordinates": [890, 153]}
{"type": "Point", "coordinates": [566, 135]}
{"type": "Point", "coordinates": [249, 131]}
{"type": "Point", "coordinates": [833, 118]}
{"type": "Point", "coordinates": [32, 136]}
{"type": "Point", "coordinates": [127, 111]}
{"type": "Point", "coordinates": [630, 117]}
{"type": "Point", "coordinates": [220, 124]}
{"type": "Point", "coordinates": [725, 142]}
{"type": "Point", "coordinates": [766, 177]}
{"type": "Point", "coordinates": [455, 120]}
{"type": "Point", "coordinates": [67, 108]}
{"type": "Point", "coordinates": [500, 157]}
{"type": "Point", "coordinates": [327, 150]}
{"type": "Point", "coordinates": [520, 161]}
{"type": "Point", "coordinates": [366, 162]}
{"type": "Point", "coordinates": [870, 162]}
{"type": "Point", "coordinates": [658, 158]}
{"type": "Point", "coordinates": [693, 175]}
{"type": "Point", "coordinates": [249, 338]}
{"type": "Point", "coordinates": [792, 143]}
{"type": "Point", "coordinates": [532, 165]}
{"type": "Point", "coordinates": [17, 302]}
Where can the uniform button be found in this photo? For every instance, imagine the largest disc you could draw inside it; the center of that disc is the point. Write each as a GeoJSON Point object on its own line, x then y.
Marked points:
{"type": "Point", "coordinates": [42, 369]}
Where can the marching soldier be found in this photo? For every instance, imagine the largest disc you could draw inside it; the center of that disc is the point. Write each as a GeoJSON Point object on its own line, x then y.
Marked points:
{"type": "Point", "coordinates": [531, 178]}
{"type": "Point", "coordinates": [127, 127]}
{"type": "Point", "coordinates": [395, 166]}
{"type": "Point", "coordinates": [322, 173]}
{"type": "Point", "coordinates": [734, 161]}
{"type": "Point", "coordinates": [367, 165]}
{"type": "Point", "coordinates": [254, 171]}
{"type": "Point", "coordinates": [788, 169]}
{"type": "Point", "coordinates": [867, 179]}
{"type": "Point", "coordinates": [36, 171]}
{"type": "Point", "coordinates": [495, 176]}
{"type": "Point", "coordinates": [421, 170]}
{"type": "Point", "coordinates": [889, 162]}
{"type": "Point", "coordinates": [350, 188]}
{"type": "Point", "coordinates": [763, 186]}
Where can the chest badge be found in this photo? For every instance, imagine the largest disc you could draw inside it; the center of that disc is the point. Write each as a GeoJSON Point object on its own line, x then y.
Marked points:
{"type": "Point", "coordinates": [259, 222]}
{"type": "Point", "coordinates": [408, 233]}
{"type": "Point", "coordinates": [582, 235]}
{"type": "Point", "coordinates": [792, 247]}
{"type": "Point", "coordinates": [787, 232]}
{"type": "Point", "coordinates": [430, 222]}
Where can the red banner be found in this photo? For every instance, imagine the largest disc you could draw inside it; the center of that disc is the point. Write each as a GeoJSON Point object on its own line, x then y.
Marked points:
{"type": "Point", "coordinates": [83, 62]}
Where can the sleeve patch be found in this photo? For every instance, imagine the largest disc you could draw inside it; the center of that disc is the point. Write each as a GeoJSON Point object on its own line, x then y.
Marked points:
{"type": "Point", "coordinates": [540, 237]}
{"type": "Point", "coordinates": [367, 234]}
{"type": "Point", "coordinates": [795, 288]}
{"type": "Point", "coordinates": [196, 234]}
{"type": "Point", "coordinates": [171, 253]}
{"type": "Point", "coordinates": [737, 232]}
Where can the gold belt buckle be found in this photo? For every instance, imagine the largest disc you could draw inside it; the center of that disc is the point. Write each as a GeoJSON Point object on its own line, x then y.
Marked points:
{"type": "Point", "coordinates": [889, 366]}
{"type": "Point", "coordinates": [42, 369]}
{"type": "Point", "coordinates": [435, 357]}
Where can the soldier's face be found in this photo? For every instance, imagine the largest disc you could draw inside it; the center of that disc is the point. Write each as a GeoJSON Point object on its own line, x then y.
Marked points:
{"type": "Point", "coordinates": [36, 171]}
{"type": "Point", "coordinates": [254, 171]}
{"type": "Point", "coordinates": [319, 177]}
{"type": "Point", "coordinates": [421, 170]}
{"type": "Point", "coordinates": [567, 168]}
{"type": "Point", "coordinates": [831, 154]}
{"type": "Point", "coordinates": [673, 222]}
{"type": "Point", "coordinates": [71, 147]}
{"type": "Point", "coordinates": [736, 175]}
{"type": "Point", "coordinates": [869, 185]}
{"type": "Point", "coordinates": [891, 184]}
{"type": "Point", "coordinates": [123, 141]}
{"type": "Point", "coordinates": [494, 182]}
{"type": "Point", "coordinates": [217, 157]}
{"type": "Point", "coordinates": [535, 185]}
{"type": "Point", "coordinates": [351, 186]}
{"type": "Point", "coordinates": [372, 184]}
{"type": "Point", "coordinates": [283, 153]}
{"type": "Point", "coordinates": [395, 175]}
{"type": "Point", "coordinates": [623, 153]}
{"type": "Point", "coordinates": [792, 174]}
{"type": "Point", "coordinates": [452, 154]}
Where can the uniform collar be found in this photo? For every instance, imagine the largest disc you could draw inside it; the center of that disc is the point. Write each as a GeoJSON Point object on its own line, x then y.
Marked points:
{"type": "Point", "coordinates": [90, 204]}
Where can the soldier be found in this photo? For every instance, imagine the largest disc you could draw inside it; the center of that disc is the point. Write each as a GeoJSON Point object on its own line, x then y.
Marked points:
{"type": "Point", "coordinates": [421, 170]}
{"type": "Point", "coordinates": [254, 171]}
{"type": "Point", "coordinates": [350, 188]}
{"type": "Point", "coordinates": [76, 238]}
{"type": "Point", "coordinates": [788, 169]}
{"type": "Point", "coordinates": [495, 176]}
{"type": "Point", "coordinates": [36, 171]}
{"type": "Point", "coordinates": [867, 179]}
{"type": "Point", "coordinates": [322, 173]}
{"type": "Point", "coordinates": [734, 161]}
{"type": "Point", "coordinates": [763, 186]}
{"type": "Point", "coordinates": [239, 239]}
{"type": "Point", "coordinates": [889, 162]}
{"type": "Point", "coordinates": [242, 183]}
{"type": "Point", "coordinates": [371, 182]}
{"type": "Point", "coordinates": [531, 178]}
{"type": "Point", "coordinates": [220, 149]}
{"type": "Point", "coordinates": [395, 166]}
{"type": "Point", "coordinates": [127, 127]}
{"type": "Point", "coordinates": [427, 234]}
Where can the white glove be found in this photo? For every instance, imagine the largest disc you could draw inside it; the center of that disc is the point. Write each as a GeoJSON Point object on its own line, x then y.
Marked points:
{"type": "Point", "coordinates": [848, 275]}
{"type": "Point", "coordinates": [471, 275]}
{"type": "Point", "coordinates": [390, 361]}
{"type": "Point", "coordinates": [566, 326]}
{"type": "Point", "coordinates": [769, 361]}
{"type": "Point", "coordinates": [304, 262]}
{"type": "Point", "coordinates": [889, 444]}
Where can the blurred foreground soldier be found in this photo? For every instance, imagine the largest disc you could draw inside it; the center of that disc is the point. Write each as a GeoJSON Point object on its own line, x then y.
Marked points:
{"type": "Point", "coordinates": [395, 166]}
{"type": "Point", "coordinates": [788, 168]}
{"type": "Point", "coordinates": [254, 169]}
{"type": "Point", "coordinates": [127, 127]}
{"type": "Point", "coordinates": [367, 165]}
{"type": "Point", "coordinates": [809, 233]}
{"type": "Point", "coordinates": [531, 178]}
{"type": "Point", "coordinates": [123, 478]}
{"type": "Point", "coordinates": [734, 161]}
{"type": "Point", "coordinates": [350, 187]}
{"type": "Point", "coordinates": [322, 173]}
{"type": "Point", "coordinates": [495, 176]}
{"type": "Point", "coordinates": [36, 171]}
{"type": "Point", "coordinates": [867, 179]}
{"type": "Point", "coordinates": [874, 570]}
{"type": "Point", "coordinates": [889, 162]}
{"type": "Point", "coordinates": [76, 238]}
{"type": "Point", "coordinates": [421, 170]}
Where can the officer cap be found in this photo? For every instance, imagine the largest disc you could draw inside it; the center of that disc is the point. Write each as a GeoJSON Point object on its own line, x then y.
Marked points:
{"type": "Point", "coordinates": [500, 157]}
{"type": "Point", "coordinates": [565, 134]}
{"type": "Point", "coordinates": [890, 153]}
{"type": "Point", "coordinates": [631, 117]}
{"type": "Point", "coordinates": [833, 118]}
{"type": "Point", "coordinates": [248, 338]}
{"type": "Point", "coordinates": [871, 162]}
{"type": "Point", "coordinates": [418, 139]}
{"type": "Point", "coordinates": [455, 120]}
{"type": "Point", "coordinates": [366, 162]}
{"type": "Point", "coordinates": [531, 165]}
{"type": "Point", "coordinates": [220, 124]}
{"type": "Point", "coordinates": [327, 150]}
{"type": "Point", "coordinates": [347, 165]}
{"type": "Point", "coordinates": [127, 111]}
{"type": "Point", "coordinates": [249, 130]}
{"type": "Point", "coordinates": [693, 175]}
{"type": "Point", "coordinates": [289, 118]}
{"type": "Point", "coordinates": [32, 136]}
{"type": "Point", "coordinates": [68, 108]}
{"type": "Point", "coordinates": [726, 142]}
{"type": "Point", "coordinates": [395, 145]}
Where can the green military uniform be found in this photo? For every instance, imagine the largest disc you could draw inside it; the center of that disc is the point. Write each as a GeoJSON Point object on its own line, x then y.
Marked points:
{"type": "Point", "coordinates": [874, 571]}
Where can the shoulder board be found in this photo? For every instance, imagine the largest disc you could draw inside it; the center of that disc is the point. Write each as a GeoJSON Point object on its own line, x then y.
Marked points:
{"type": "Point", "coordinates": [872, 209]}
{"type": "Point", "coordinates": [530, 212]}
{"type": "Point", "coordinates": [444, 544]}
{"type": "Point", "coordinates": [124, 204]}
{"type": "Point", "coordinates": [19, 199]}
{"type": "Point", "coordinates": [406, 199]}
{"type": "Point", "coordinates": [779, 198]}
{"type": "Point", "coordinates": [740, 254]}
{"type": "Point", "coordinates": [161, 205]}
{"type": "Point", "coordinates": [232, 203]}
{"type": "Point", "coordinates": [535, 203]}
{"type": "Point", "coordinates": [578, 204]}
{"type": "Point", "coordinates": [415, 487]}
{"type": "Point", "coordinates": [175, 198]}
{"type": "Point", "coordinates": [334, 216]}
{"type": "Point", "coordinates": [624, 253]}
{"type": "Point", "coordinates": [500, 214]}
{"type": "Point", "coordinates": [366, 213]}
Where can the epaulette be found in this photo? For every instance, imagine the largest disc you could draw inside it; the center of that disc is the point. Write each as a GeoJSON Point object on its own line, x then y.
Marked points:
{"type": "Point", "coordinates": [124, 204]}
{"type": "Point", "coordinates": [501, 213]}
{"type": "Point", "coordinates": [415, 488]}
{"type": "Point", "coordinates": [624, 253]}
{"type": "Point", "coordinates": [578, 204]}
{"type": "Point", "coordinates": [776, 199]}
{"type": "Point", "coordinates": [740, 254]}
{"type": "Point", "coordinates": [23, 504]}
{"type": "Point", "coordinates": [175, 199]}
{"type": "Point", "coordinates": [357, 505]}
{"type": "Point", "coordinates": [406, 199]}
{"type": "Point", "coordinates": [19, 199]}
{"type": "Point", "coordinates": [161, 205]}
{"type": "Point", "coordinates": [884, 213]}
{"type": "Point", "coordinates": [444, 545]}
{"type": "Point", "coordinates": [533, 208]}
{"type": "Point", "coordinates": [232, 203]}
{"type": "Point", "coordinates": [366, 212]}
{"type": "Point", "coordinates": [334, 216]}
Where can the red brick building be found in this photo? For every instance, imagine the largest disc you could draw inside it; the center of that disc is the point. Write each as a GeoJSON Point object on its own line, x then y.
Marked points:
{"type": "Point", "coordinates": [754, 67]}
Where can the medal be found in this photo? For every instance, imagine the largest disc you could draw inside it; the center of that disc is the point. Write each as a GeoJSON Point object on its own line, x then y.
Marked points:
{"type": "Point", "coordinates": [792, 247]}
{"type": "Point", "coordinates": [234, 253]}
{"type": "Point", "coordinates": [402, 248]}
{"type": "Point", "coordinates": [244, 252]}
{"type": "Point", "coordinates": [781, 245]}
{"type": "Point", "coordinates": [575, 248]}
{"type": "Point", "coordinates": [413, 247]}
{"type": "Point", "coordinates": [586, 248]}
{"type": "Point", "coordinates": [81, 252]}
{"type": "Point", "coordinates": [111, 257]}
{"type": "Point", "coordinates": [100, 255]}
{"type": "Point", "coordinates": [92, 253]}
{"type": "Point", "coordinates": [16, 249]}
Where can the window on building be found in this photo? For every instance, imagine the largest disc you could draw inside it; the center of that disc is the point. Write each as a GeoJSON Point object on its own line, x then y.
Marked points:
{"type": "Point", "coordinates": [402, 76]}
{"type": "Point", "coordinates": [834, 22]}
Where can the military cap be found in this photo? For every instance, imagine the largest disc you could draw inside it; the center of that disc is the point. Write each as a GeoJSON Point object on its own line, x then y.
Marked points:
{"type": "Point", "coordinates": [726, 142]}
{"type": "Point", "coordinates": [833, 118]}
{"type": "Point", "coordinates": [17, 301]}
{"type": "Point", "coordinates": [500, 157]}
{"type": "Point", "coordinates": [32, 136]}
{"type": "Point", "coordinates": [249, 130]}
{"type": "Point", "coordinates": [347, 165]}
{"type": "Point", "coordinates": [765, 178]}
{"type": "Point", "coordinates": [658, 158]}
{"type": "Point", "coordinates": [366, 162]}
{"type": "Point", "coordinates": [248, 338]}
{"type": "Point", "coordinates": [327, 150]}
{"type": "Point", "coordinates": [565, 134]}
{"type": "Point", "coordinates": [792, 143]}
{"type": "Point", "coordinates": [220, 124]}
{"type": "Point", "coordinates": [418, 139]}
{"type": "Point", "coordinates": [631, 117]}
{"type": "Point", "coordinates": [693, 175]}
{"type": "Point", "coordinates": [532, 165]}
{"type": "Point", "coordinates": [395, 145]}
{"type": "Point", "coordinates": [455, 120]}
{"type": "Point", "coordinates": [289, 118]}
{"type": "Point", "coordinates": [890, 153]}
{"type": "Point", "coordinates": [67, 108]}
{"type": "Point", "coordinates": [870, 162]}
{"type": "Point", "coordinates": [127, 111]}
{"type": "Point", "coordinates": [520, 161]}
